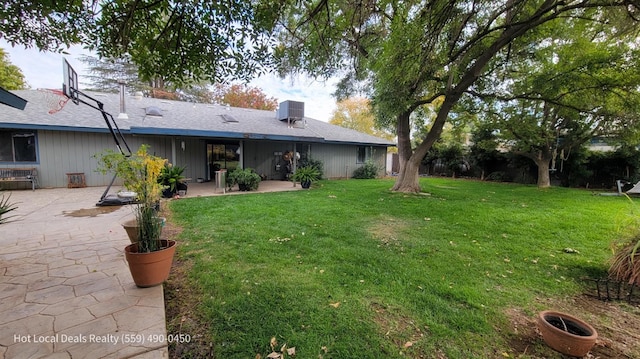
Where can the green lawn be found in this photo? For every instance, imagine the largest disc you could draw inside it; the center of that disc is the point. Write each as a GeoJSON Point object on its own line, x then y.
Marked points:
{"type": "Point", "coordinates": [349, 269]}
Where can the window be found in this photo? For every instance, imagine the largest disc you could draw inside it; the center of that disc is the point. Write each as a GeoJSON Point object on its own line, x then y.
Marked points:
{"type": "Point", "coordinates": [17, 146]}
{"type": "Point", "coordinates": [364, 154]}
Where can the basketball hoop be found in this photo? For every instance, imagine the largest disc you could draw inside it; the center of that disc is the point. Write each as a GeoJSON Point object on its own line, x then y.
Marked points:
{"type": "Point", "coordinates": [56, 99]}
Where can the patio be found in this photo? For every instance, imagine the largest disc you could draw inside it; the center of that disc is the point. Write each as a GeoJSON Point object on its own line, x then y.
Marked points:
{"type": "Point", "coordinates": [65, 288]}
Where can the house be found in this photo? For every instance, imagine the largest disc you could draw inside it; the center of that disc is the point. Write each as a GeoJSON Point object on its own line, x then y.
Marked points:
{"type": "Point", "coordinates": [201, 137]}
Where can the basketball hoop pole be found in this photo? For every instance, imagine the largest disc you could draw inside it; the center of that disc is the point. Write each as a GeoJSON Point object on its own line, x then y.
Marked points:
{"type": "Point", "coordinates": [108, 119]}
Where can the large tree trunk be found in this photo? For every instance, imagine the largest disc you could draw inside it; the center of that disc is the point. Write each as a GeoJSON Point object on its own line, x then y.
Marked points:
{"type": "Point", "coordinates": [544, 180]}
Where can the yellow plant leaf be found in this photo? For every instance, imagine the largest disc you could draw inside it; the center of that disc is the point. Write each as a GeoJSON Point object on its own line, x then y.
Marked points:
{"type": "Point", "coordinates": [335, 305]}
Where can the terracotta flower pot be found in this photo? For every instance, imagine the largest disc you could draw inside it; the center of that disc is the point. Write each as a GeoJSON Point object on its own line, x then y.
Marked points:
{"type": "Point", "coordinates": [566, 334]}
{"type": "Point", "coordinates": [131, 227]}
{"type": "Point", "coordinates": [150, 269]}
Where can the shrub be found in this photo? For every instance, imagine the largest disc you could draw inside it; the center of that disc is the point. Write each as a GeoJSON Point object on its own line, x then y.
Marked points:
{"type": "Point", "coordinates": [367, 171]}
{"type": "Point", "coordinates": [247, 179]}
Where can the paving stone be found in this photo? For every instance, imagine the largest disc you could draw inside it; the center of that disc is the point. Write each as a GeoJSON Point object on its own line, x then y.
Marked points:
{"type": "Point", "coordinates": [9, 303]}
{"type": "Point", "coordinates": [69, 271]}
{"type": "Point", "coordinates": [113, 305]}
{"type": "Point", "coordinates": [72, 319]}
{"type": "Point", "coordinates": [50, 295]}
{"type": "Point", "coordinates": [96, 286]}
{"type": "Point", "coordinates": [45, 283]}
{"type": "Point", "coordinates": [12, 290]}
{"type": "Point", "coordinates": [29, 350]}
{"type": "Point", "coordinates": [69, 305]}
{"type": "Point", "coordinates": [21, 311]}
{"type": "Point", "coordinates": [108, 294]}
{"type": "Point", "coordinates": [81, 254]}
{"type": "Point", "coordinates": [85, 278]}
{"type": "Point", "coordinates": [24, 269]}
{"type": "Point", "coordinates": [61, 262]}
{"type": "Point", "coordinates": [136, 319]}
{"type": "Point", "coordinates": [101, 326]}
{"type": "Point", "coordinates": [13, 332]}
{"type": "Point", "coordinates": [25, 279]}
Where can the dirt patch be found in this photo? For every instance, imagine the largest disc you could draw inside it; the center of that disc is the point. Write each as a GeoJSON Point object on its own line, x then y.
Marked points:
{"type": "Point", "coordinates": [617, 325]}
{"type": "Point", "coordinates": [91, 212]}
{"type": "Point", "coordinates": [181, 300]}
{"type": "Point", "coordinates": [400, 329]}
{"type": "Point", "coordinates": [387, 231]}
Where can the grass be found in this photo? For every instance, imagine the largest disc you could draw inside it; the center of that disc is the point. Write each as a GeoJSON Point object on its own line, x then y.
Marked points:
{"type": "Point", "coordinates": [349, 269]}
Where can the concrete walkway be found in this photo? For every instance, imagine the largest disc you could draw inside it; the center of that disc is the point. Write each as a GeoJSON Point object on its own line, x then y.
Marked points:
{"type": "Point", "coordinates": [65, 288]}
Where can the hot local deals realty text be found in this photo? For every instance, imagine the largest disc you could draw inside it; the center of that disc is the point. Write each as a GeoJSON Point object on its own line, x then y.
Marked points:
{"type": "Point", "coordinates": [65, 338]}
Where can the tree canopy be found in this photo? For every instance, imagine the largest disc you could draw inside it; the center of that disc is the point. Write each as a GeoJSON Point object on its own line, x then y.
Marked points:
{"type": "Point", "coordinates": [355, 113]}
{"type": "Point", "coordinates": [409, 53]}
{"type": "Point", "coordinates": [182, 41]}
{"type": "Point", "coordinates": [11, 76]}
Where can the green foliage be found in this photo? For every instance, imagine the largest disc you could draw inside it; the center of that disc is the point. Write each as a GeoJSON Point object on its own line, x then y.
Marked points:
{"type": "Point", "coordinates": [170, 176]}
{"type": "Point", "coordinates": [306, 174]}
{"type": "Point", "coordinates": [5, 208]}
{"type": "Point", "coordinates": [140, 172]}
{"type": "Point", "coordinates": [11, 76]}
{"type": "Point", "coordinates": [367, 270]}
{"type": "Point", "coordinates": [247, 179]}
{"type": "Point", "coordinates": [368, 170]}
{"type": "Point", "coordinates": [310, 162]}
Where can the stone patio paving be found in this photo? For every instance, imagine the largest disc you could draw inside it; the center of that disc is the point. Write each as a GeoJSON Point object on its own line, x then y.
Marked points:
{"type": "Point", "coordinates": [65, 288]}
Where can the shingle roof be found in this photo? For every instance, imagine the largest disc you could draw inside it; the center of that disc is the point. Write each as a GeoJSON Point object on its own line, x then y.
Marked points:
{"type": "Point", "coordinates": [178, 119]}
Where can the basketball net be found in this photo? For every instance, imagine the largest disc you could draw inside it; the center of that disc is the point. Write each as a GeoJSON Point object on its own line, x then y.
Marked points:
{"type": "Point", "coordinates": [56, 99]}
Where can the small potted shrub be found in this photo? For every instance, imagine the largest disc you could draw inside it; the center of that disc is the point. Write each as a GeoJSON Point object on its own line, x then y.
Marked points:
{"type": "Point", "coordinates": [172, 179]}
{"type": "Point", "coordinates": [306, 175]}
{"type": "Point", "coordinates": [150, 257]}
{"type": "Point", "coordinates": [247, 179]}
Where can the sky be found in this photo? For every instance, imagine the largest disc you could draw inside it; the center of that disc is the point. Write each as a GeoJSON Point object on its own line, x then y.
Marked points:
{"type": "Point", "coordinates": [44, 70]}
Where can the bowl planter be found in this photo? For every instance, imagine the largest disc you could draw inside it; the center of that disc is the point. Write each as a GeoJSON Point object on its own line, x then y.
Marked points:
{"type": "Point", "coordinates": [151, 268]}
{"type": "Point", "coordinates": [565, 333]}
{"type": "Point", "coordinates": [132, 228]}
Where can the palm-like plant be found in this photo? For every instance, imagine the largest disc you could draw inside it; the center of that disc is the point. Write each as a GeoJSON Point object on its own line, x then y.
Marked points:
{"type": "Point", "coordinates": [6, 207]}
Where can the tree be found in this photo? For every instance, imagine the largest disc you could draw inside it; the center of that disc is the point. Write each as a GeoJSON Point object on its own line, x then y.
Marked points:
{"type": "Point", "coordinates": [243, 96]}
{"type": "Point", "coordinates": [105, 75]}
{"type": "Point", "coordinates": [11, 77]}
{"type": "Point", "coordinates": [182, 41]}
{"type": "Point", "coordinates": [355, 113]}
{"type": "Point", "coordinates": [413, 52]}
{"type": "Point", "coordinates": [571, 89]}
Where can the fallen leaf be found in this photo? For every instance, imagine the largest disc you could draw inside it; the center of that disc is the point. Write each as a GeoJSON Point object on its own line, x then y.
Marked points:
{"type": "Point", "coordinates": [274, 355]}
{"type": "Point", "coordinates": [408, 344]}
{"type": "Point", "coordinates": [505, 354]}
{"type": "Point", "coordinates": [273, 342]}
{"type": "Point", "coordinates": [335, 305]}
{"type": "Point", "coordinates": [291, 351]}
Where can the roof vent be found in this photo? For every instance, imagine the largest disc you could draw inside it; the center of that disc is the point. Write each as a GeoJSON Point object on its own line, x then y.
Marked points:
{"type": "Point", "coordinates": [228, 119]}
{"type": "Point", "coordinates": [153, 111]}
{"type": "Point", "coordinates": [291, 110]}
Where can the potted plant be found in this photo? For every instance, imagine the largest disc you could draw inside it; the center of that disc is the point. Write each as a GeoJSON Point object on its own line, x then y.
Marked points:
{"type": "Point", "coordinates": [247, 179]}
{"type": "Point", "coordinates": [150, 257]}
{"type": "Point", "coordinates": [5, 207]}
{"type": "Point", "coordinates": [306, 175]}
{"type": "Point", "coordinates": [172, 179]}
{"type": "Point", "coordinates": [566, 333]}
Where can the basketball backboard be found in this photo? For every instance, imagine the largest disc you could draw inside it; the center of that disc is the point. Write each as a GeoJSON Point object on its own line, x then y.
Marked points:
{"type": "Point", "coordinates": [69, 81]}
